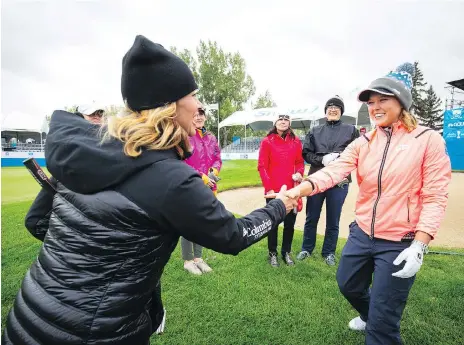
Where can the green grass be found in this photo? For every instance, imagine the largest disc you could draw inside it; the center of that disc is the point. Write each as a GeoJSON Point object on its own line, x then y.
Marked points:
{"type": "Point", "coordinates": [18, 185]}
{"type": "Point", "coordinates": [245, 301]}
{"type": "Point", "coordinates": [239, 173]}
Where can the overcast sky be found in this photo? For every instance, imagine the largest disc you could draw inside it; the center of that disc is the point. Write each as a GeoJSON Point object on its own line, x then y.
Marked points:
{"type": "Point", "coordinates": [58, 53]}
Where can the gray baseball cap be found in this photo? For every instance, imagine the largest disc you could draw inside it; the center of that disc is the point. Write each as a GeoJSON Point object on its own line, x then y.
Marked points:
{"type": "Point", "coordinates": [397, 83]}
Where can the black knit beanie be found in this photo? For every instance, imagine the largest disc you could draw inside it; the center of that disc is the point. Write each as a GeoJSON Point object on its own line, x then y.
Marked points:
{"type": "Point", "coordinates": [337, 101]}
{"type": "Point", "coordinates": [153, 77]}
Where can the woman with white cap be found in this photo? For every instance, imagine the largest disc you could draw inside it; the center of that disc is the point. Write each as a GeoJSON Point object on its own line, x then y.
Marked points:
{"type": "Point", "coordinates": [403, 172]}
{"type": "Point", "coordinates": [91, 112]}
{"type": "Point", "coordinates": [280, 163]}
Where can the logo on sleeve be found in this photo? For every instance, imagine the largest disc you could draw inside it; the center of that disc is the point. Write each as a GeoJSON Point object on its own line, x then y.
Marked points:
{"type": "Point", "coordinates": [258, 230]}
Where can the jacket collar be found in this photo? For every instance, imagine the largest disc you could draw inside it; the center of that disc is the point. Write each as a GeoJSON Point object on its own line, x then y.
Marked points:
{"type": "Point", "coordinates": [277, 136]}
{"type": "Point", "coordinates": [201, 132]}
{"type": "Point", "coordinates": [332, 123]}
{"type": "Point", "coordinates": [395, 127]}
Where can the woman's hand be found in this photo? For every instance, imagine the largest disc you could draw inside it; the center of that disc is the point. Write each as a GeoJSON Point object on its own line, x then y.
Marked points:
{"type": "Point", "coordinates": [303, 189]}
{"type": "Point", "coordinates": [208, 181]}
{"type": "Point", "coordinates": [290, 203]}
{"type": "Point", "coordinates": [293, 193]}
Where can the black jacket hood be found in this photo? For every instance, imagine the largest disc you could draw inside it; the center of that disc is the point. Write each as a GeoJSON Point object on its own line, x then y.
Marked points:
{"type": "Point", "coordinates": [76, 157]}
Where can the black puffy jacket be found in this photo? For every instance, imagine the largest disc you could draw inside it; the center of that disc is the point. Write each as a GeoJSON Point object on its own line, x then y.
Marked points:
{"type": "Point", "coordinates": [114, 224]}
{"type": "Point", "coordinates": [333, 136]}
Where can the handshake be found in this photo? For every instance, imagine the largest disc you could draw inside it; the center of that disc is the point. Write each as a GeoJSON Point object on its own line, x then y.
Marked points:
{"type": "Point", "coordinates": [289, 197]}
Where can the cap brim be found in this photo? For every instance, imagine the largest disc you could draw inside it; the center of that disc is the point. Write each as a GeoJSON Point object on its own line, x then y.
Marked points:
{"type": "Point", "coordinates": [89, 110]}
{"type": "Point", "coordinates": [365, 94]}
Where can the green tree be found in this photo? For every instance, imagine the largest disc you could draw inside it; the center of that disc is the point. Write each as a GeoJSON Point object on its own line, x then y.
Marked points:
{"type": "Point", "coordinates": [222, 80]}
{"type": "Point", "coordinates": [264, 101]}
{"type": "Point", "coordinates": [418, 90]}
{"type": "Point", "coordinates": [71, 109]}
{"type": "Point", "coordinates": [431, 114]}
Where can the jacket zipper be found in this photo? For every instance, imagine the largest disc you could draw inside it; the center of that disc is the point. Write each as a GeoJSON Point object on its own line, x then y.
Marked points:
{"type": "Point", "coordinates": [409, 200]}
{"type": "Point", "coordinates": [379, 183]}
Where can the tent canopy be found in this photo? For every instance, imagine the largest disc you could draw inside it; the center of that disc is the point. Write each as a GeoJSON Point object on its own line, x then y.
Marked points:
{"type": "Point", "coordinates": [20, 122]}
{"type": "Point", "coordinates": [262, 119]}
{"type": "Point", "coordinates": [302, 118]}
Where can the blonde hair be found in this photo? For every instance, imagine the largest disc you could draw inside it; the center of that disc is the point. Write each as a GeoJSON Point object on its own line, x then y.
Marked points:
{"type": "Point", "coordinates": [152, 129]}
{"type": "Point", "coordinates": [408, 120]}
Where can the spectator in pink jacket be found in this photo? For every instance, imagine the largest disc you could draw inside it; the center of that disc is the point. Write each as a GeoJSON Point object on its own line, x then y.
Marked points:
{"type": "Point", "coordinates": [206, 159]}
{"type": "Point", "coordinates": [403, 173]}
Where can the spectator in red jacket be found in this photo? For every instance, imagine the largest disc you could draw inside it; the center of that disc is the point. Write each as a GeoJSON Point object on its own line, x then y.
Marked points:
{"type": "Point", "coordinates": [281, 163]}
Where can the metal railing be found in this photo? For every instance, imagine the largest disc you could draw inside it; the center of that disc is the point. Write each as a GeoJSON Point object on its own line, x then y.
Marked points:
{"type": "Point", "coordinates": [247, 145]}
{"type": "Point", "coordinates": [23, 147]}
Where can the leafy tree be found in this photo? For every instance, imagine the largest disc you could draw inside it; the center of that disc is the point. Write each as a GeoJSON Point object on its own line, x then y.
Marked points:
{"type": "Point", "coordinates": [222, 80]}
{"type": "Point", "coordinates": [264, 101]}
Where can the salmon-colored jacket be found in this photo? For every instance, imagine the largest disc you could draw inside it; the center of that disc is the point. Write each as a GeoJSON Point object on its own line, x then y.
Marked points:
{"type": "Point", "coordinates": [403, 180]}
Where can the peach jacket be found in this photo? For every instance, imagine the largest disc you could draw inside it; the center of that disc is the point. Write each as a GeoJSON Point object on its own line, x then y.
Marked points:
{"type": "Point", "coordinates": [403, 180]}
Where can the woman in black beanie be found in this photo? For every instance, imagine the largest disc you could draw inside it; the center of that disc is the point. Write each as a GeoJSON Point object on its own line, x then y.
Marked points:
{"type": "Point", "coordinates": [121, 205]}
{"type": "Point", "coordinates": [322, 145]}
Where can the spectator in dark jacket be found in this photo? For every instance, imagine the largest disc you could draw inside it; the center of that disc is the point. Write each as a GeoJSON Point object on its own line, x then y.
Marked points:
{"type": "Point", "coordinates": [322, 145]}
{"type": "Point", "coordinates": [280, 163]}
{"type": "Point", "coordinates": [121, 205]}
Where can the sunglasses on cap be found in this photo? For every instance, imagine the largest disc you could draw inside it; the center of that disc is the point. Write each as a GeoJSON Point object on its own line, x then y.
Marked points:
{"type": "Point", "coordinates": [284, 117]}
{"type": "Point", "coordinates": [201, 112]}
{"type": "Point", "coordinates": [98, 113]}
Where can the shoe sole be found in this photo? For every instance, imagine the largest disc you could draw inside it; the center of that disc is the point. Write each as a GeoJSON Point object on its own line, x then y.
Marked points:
{"type": "Point", "coordinates": [194, 273]}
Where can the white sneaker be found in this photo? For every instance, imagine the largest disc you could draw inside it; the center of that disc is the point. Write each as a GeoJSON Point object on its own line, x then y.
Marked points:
{"type": "Point", "coordinates": [357, 324]}
{"type": "Point", "coordinates": [160, 329]}
{"type": "Point", "coordinates": [203, 266]}
{"type": "Point", "coordinates": [192, 268]}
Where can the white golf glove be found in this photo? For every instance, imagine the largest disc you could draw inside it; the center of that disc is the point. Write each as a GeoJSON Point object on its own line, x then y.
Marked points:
{"type": "Point", "coordinates": [413, 255]}
{"type": "Point", "coordinates": [297, 177]}
{"type": "Point", "coordinates": [329, 158]}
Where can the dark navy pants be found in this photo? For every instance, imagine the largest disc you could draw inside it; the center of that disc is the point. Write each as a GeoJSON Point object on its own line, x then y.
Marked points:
{"type": "Point", "coordinates": [365, 261]}
{"type": "Point", "coordinates": [287, 237]}
{"type": "Point", "coordinates": [334, 200]}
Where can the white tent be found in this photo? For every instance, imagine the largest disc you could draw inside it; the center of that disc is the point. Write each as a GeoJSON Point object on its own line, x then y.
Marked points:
{"type": "Point", "coordinates": [25, 123]}
{"type": "Point", "coordinates": [262, 119]}
{"type": "Point", "coordinates": [239, 118]}
{"type": "Point", "coordinates": [302, 117]}
{"type": "Point", "coordinates": [20, 122]}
